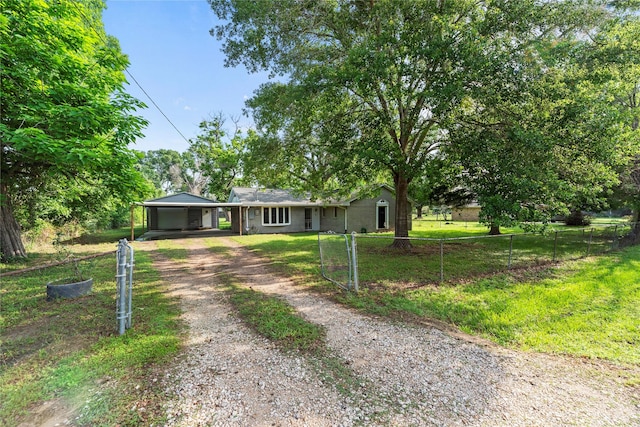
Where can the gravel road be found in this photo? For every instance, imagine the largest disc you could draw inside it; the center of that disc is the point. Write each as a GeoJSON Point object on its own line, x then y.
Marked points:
{"type": "Point", "coordinates": [391, 374]}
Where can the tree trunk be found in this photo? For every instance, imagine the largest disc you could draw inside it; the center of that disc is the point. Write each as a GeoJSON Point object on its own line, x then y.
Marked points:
{"type": "Point", "coordinates": [402, 213]}
{"type": "Point", "coordinates": [494, 230]}
{"type": "Point", "coordinates": [10, 241]}
{"type": "Point", "coordinates": [419, 211]}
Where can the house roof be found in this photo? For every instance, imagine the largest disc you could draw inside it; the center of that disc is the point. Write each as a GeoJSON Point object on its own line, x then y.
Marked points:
{"type": "Point", "coordinates": [266, 196]}
{"type": "Point", "coordinates": [183, 197]}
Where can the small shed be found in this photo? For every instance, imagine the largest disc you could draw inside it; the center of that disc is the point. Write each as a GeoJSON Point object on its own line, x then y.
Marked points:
{"type": "Point", "coordinates": [469, 212]}
{"type": "Point", "coordinates": [182, 211]}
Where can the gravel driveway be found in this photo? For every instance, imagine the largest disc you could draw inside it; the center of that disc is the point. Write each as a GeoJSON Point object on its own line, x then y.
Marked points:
{"type": "Point", "coordinates": [396, 375]}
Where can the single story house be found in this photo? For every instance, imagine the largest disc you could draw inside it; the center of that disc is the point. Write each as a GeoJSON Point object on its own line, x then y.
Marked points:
{"type": "Point", "coordinates": [257, 210]}
{"type": "Point", "coordinates": [182, 211]}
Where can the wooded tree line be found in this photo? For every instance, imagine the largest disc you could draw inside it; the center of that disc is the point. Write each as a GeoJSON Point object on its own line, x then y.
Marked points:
{"type": "Point", "coordinates": [529, 107]}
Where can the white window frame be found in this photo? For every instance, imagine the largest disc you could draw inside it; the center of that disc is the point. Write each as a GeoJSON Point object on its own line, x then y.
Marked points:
{"type": "Point", "coordinates": [277, 216]}
{"type": "Point", "coordinates": [382, 203]}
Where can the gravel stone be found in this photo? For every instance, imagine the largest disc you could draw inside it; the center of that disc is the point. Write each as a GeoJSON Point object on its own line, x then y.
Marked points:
{"type": "Point", "coordinates": [401, 374]}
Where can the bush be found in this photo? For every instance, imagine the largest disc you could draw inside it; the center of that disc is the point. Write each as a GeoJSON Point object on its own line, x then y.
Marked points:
{"type": "Point", "coordinates": [578, 218]}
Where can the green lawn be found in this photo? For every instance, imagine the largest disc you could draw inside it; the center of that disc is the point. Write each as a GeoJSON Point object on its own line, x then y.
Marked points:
{"type": "Point", "coordinates": [70, 349]}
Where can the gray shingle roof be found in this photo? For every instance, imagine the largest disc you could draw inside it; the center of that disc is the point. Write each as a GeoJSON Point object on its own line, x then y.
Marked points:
{"type": "Point", "coordinates": [268, 196]}
{"type": "Point", "coordinates": [184, 198]}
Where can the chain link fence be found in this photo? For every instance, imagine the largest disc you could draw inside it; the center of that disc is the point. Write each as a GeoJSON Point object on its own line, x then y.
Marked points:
{"type": "Point", "coordinates": [432, 260]}
{"type": "Point", "coordinates": [338, 259]}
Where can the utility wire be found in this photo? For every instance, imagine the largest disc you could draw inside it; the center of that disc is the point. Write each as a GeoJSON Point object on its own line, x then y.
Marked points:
{"type": "Point", "coordinates": [154, 104]}
{"type": "Point", "coordinates": [106, 42]}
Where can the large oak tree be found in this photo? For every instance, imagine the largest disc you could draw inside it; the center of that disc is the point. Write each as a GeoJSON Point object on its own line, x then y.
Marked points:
{"type": "Point", "coordinates": [388, 71]}
{"type": "Point", "coordinates": [63, 109]}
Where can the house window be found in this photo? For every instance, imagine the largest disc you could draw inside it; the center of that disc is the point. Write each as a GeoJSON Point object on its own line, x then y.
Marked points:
{"type": "Point", "coordinates": [335, 212]}
{"type": "Point", "coordinates": [276, 216]}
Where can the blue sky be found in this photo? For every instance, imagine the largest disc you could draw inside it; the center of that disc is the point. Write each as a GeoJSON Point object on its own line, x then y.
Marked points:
{"type": "Point", "coordinates": [179, 65]}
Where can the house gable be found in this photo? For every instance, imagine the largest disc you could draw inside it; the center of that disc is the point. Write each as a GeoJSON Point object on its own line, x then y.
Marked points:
{"type": "Point", "coordinates": [180, 198]}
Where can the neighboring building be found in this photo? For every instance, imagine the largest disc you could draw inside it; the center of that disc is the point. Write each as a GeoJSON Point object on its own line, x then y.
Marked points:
{"type": "Point", "coordinates": [182, 211]}
{"type": "Point", "coordinates": [469, 212]}
{"type": "Point", "coordinates": [279, 211]}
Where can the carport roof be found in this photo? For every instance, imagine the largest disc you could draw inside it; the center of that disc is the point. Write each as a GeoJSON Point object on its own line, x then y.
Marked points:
{"type": "Point", "coordinates": [184, 199]}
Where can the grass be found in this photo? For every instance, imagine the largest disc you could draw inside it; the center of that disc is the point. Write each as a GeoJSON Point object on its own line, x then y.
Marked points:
{"type": "Point", "coordinates": [69, 350]}
{"type": "Point", "coordinates": [584, 308]}
{"type": "Point", "coordinates": [276, 320]}
{"type": "Point", "coordinates": [171, 249]}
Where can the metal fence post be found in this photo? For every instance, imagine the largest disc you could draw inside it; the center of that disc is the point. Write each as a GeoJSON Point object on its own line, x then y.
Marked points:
{"type": "Point", "coordinates": [129, 305]}
{"type": "Point", "coordinates": [442, 260]}
{"type": "Point", "coordinates": [510, 252]}
{"type": "Point", "coordinates": [589, 245]}
{"type": "Point", "coordinates": [354, 256]}
{"type": "Point", "coordinates": [349, 261]}
{"type": "Point", "coordinates": [124, 286]}
{"type": "Point", "coordinates": [121, 288]}
{"type": "Point", "coordinates": [615, 238]}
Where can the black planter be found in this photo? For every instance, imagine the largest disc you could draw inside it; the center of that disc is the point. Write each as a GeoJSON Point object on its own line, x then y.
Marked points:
{"type": "Point", "coordinates": [68, 288]}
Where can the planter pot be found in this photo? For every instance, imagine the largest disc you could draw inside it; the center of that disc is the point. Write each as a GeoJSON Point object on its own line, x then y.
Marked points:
{"type": "Point", "coordinates": [68, 288]}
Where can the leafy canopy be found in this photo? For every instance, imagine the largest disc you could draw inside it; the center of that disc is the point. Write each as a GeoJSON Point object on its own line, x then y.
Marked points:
{"type": "Point", "coordinates": [63, 110]}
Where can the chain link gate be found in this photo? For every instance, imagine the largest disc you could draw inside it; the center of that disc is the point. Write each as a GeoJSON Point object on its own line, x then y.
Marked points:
{"type": "Point", "coordinates": [124, 285]}
{"type": "Point", "coordinates": [339, 259]}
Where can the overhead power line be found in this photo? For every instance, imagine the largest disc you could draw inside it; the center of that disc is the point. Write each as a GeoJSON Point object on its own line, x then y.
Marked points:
{"type": "Point", "coordinates": [105, 41]}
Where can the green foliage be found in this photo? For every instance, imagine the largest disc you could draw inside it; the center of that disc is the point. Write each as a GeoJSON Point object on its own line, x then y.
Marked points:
{"type": "Point", "coordinates": [66, 121]}
{"type": "Point", "coordinates": [370, 85]}
{"type": "Point", "coordinates": [219, 156]}
{"type": "Point", "coordinates": [557, 140]}
{"type": "Point", "coordinates": [160, 167]}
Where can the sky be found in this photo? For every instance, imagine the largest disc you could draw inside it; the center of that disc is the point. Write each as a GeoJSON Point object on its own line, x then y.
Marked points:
{"type": "Point", "coordinates": [180, 65]}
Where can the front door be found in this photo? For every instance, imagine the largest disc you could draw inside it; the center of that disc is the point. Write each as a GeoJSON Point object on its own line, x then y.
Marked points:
{"type": "Point", "coordinates": [308, 218]}
{"type": "Point", "coordinates": [382, 216]}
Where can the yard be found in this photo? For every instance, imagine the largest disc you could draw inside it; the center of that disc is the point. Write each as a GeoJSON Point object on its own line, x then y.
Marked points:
{"type": "Point", "coordinates": [67, 350]}
{"type": "Point", "coordinates": [583, 307]}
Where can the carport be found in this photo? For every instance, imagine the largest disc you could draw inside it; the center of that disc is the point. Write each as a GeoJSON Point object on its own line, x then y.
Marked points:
{"type": "Point", "coordinates": [179, 213]}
